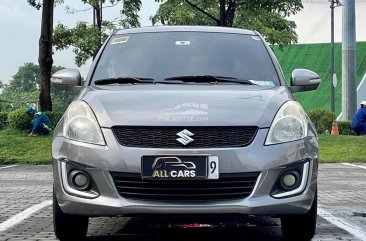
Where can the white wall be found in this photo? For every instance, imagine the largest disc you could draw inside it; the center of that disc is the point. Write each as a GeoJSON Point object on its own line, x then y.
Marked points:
{"type": "Point", "coordinates": [313, 22]}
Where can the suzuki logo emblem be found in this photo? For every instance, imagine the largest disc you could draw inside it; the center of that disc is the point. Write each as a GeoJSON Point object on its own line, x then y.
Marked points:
{"type": "Point", "coordinates": [185, 137]}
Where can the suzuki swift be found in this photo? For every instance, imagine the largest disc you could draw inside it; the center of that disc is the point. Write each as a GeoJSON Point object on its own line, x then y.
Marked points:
{"type": "Point", "coordinates": [185, 120]}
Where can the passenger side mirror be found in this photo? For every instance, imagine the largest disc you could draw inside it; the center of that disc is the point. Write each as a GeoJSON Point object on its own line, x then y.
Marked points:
{"type": "Point", "coordinates": [304, 80]}
{"type": "Point", "coordinates": [66, 79]}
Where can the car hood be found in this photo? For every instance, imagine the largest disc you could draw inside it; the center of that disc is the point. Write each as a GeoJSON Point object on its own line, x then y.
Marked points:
{"type": "Point", "coordinates": [185, 105]}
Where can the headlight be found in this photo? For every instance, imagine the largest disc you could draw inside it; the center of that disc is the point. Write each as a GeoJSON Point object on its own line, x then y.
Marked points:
{"type": "Point", "coordinates": [290, 124]}
{"type": "Point", "coordinates": [80, 124]}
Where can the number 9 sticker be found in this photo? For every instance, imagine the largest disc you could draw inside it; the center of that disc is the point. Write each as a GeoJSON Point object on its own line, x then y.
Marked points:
{"type": "Point", "coordinates": [213, 167]}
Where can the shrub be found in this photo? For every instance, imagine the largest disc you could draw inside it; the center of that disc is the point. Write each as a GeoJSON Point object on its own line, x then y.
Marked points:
{"type": "Point", "coordinates": [344, 128]}
{"type": "Point", "coordinates": [322, 120]}
{"type": "Point", "coordinates": [18, 119]}
{"type": "Point", "coordinates": [54, 117]}
{"type": "Point", "coordinates": [3, 120]}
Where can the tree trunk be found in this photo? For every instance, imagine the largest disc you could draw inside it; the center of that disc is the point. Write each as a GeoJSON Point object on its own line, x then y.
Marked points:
{"type": "Point", "coordinates": [230, 14]}
{"type": "Point", "coordinates": [98, 15]}
{"type": "Point", "coordinates": [45, 55]}
{"type": "Point", "coordinates": [98, 19]}
{"type": "Point", "coordinates": [222, 13]}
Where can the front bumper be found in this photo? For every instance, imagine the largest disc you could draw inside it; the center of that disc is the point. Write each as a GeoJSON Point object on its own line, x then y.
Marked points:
{"type": "Point", "coordinates": [99, 161]}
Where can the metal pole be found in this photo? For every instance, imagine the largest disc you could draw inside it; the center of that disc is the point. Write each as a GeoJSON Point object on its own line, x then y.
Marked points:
{"type": "Point", "coordinates": [349, 95]}
{"type": "Point", "coordinates": [332, 101]}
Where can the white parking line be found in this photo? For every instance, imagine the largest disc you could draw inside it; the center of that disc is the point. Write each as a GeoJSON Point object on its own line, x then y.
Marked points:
{"type": "Point", "coordinates": [23, 215]}
{"type": "Point", "coordinates": [5, 167]}
{"type": "Point", "coordinates": [352, 165]}
{"type": "Point", "coordinates": [354, 230]}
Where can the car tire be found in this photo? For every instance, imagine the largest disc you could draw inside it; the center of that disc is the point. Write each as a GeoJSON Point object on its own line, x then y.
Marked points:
{"type": "Point", "coordinates": [68, 227]}
{"type": "Point", "coordinates": [300, 227]}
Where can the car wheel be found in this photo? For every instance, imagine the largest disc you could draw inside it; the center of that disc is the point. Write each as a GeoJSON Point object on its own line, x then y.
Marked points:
{"type": "Point", "coordinates": [68, 227]}
{"type": "Point", "coordinates": [300, 227]}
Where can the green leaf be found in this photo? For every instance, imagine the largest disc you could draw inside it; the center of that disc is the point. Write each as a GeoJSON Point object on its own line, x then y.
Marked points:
{"type": "Point", "coordinates": [266, 16]}
{"type": "Point", "coordinates": [35, 3]}
{"type": "Point", "coordinates": [86, 39]}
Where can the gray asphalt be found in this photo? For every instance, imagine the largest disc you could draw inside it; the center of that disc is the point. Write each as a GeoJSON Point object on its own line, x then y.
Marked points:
{"type": "Point", "coordinates": [342, 193]}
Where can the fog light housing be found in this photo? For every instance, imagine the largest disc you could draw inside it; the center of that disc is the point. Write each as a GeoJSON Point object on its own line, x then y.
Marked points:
{"type": "Point", "coordinates": [80, 180]}
{"type": "Point", "coordinates": [292, 180]}
{"type": "Point", "coordinates": [289, 180]}
{"type": "Point", "coordinates": [77, 181]}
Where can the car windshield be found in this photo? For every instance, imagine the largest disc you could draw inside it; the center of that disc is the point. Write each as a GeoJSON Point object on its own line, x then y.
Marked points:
{"type": "Point", "coordinates": [165, 55]}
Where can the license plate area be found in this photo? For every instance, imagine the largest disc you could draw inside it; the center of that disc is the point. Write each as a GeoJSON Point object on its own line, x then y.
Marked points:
{"type": "Point", "coordinates": [180, 167]}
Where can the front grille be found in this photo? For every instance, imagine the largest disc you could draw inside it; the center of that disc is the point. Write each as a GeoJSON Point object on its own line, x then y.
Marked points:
{"type": "Point", "coordinates": [229, 186]}
{"type": "Point", "coordinates": [166, 137]}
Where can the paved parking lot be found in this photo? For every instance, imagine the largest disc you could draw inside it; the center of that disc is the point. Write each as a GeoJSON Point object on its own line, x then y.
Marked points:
{"type": "Point", "coordinates": [26, 214]}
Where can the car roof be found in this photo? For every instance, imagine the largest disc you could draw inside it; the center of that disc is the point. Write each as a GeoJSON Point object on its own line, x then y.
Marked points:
{"type": "Point", "coordinates": [208, 29]}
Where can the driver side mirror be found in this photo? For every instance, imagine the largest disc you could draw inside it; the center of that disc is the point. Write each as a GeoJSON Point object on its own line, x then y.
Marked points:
{"type": "Point", "coordinates": [66, 79]}
{"type": "Point", "coordinates": [304, 80]}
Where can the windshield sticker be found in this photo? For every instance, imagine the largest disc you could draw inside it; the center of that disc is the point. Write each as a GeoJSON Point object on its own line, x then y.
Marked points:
{"type": "Point", "coordinates": [182, 43]}
{"type": "Point", "coordinates": [120, 40]}
{"type": "Point", "coordinates": [256, 38]}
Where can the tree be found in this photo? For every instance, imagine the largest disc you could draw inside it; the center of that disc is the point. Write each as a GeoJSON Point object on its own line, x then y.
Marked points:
{"type": "Point", "coordinates": [45, 52]}
{"type": "Point", "coordinates": [87, 38]}
{"type": "Point", "coordinates": [266, 16]}
{"type": "Point", "coordinates": [26, 79]}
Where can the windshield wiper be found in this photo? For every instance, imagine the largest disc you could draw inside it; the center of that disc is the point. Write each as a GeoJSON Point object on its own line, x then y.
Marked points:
{"type": "Point", "coordinates": [124, 80]}
{"type": "Point", "coordinates": [172, 80]}
{"type": "Point", "coordinates": [209, 79]}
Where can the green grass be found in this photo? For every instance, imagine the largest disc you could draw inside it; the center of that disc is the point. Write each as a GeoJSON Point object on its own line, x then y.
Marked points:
{"type": "Point", "coordinates": [316, 57]}
{"type": "Point", "coordinates": [342, 148]}
{"type": "Point", "coordinates": [16, 147]}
